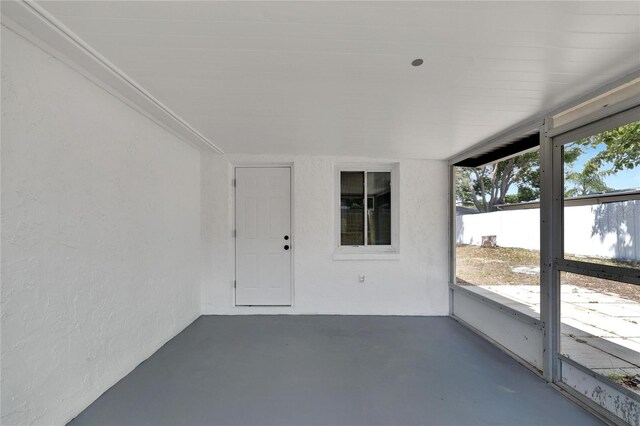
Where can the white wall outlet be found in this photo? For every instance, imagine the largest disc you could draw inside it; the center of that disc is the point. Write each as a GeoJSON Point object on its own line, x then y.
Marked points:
{"type": "Point", "coordinates": [361, 278]}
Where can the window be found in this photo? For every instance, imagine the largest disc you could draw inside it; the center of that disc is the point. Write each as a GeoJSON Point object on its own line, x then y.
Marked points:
{"type": "Point", "coordinates": [367, 206]}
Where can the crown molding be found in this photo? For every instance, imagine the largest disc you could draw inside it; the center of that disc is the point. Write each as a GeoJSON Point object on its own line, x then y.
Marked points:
{"type": "Point", "coordinates": [28, 19]}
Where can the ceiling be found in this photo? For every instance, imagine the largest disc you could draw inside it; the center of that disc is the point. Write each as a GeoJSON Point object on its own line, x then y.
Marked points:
{"type": "Point", "coordinates": [335, 78]}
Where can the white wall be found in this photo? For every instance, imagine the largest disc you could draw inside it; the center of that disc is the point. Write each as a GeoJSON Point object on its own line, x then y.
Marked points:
{"type": "Point", "coordinates": [110, 225]}
{"type": "Point", "coordinates": [100, 237]}
{"type": "Point", "coordinates": [522, 338]}
{"type": "Point", "coordinates": [609, 230]}
{"type": "Point", "coordinates": [416, 284]}
{"type": "Point", "coordinates": [513, 228]}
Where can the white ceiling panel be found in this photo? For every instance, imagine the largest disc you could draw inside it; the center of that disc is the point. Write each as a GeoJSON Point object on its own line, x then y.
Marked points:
{"type": "Point", "coordinates": [335, 77]}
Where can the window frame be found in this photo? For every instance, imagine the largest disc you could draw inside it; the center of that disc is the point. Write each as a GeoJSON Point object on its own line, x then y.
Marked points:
{"type": "Point", "coordinates": [366, 252]}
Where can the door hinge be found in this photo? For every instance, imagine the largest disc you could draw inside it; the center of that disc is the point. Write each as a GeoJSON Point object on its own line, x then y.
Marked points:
{"type": "Point", "coordinates": [233, 182]}
{"type": "Point", "coordinates": [234, 233]}
{"type": "Point", "coordinates": [234, 283]}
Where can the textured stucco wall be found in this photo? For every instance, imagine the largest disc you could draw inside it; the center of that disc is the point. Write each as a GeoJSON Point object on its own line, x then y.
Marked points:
{"type": "Point", "coordinates": [100, 237]}
{"type": "Point", "coordinates": [415, 284]}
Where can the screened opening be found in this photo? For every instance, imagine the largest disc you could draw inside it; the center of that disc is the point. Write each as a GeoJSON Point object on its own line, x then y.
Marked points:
{"type": "Point", "coordinates": [498, 230]}
{"type": "Point", "coordinates": [599, 280]}
{"type": "Point", "coordinates": [602, 197]}
{"type": "Point", "coordinates": [600, 327]}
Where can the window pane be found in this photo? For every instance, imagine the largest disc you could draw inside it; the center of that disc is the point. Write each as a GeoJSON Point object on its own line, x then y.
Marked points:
{"type": "Point", "coordinates": [600, 326]}
{"type": "Point", "coordinates": [602, 197]}
{"type": "Point", "coordinates": [352, 208]}
{"type": "Point", "coordinates": [379, 208]}
{"type": "Point", "coordinates": [498, 231]}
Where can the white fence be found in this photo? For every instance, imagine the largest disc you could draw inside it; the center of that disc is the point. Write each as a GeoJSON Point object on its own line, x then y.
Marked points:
{"type": "Point", "coordinates": [609, 230]}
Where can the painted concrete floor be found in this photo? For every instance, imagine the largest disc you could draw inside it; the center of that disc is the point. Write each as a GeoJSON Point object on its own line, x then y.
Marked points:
{"type": "Point", "coordinates": [331, 370]}
{"type": "Point", "coordinates": [599, 330]}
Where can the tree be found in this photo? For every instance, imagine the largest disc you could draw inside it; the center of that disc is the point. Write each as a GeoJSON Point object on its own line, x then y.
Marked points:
{"type": "Point", "coordinates": [619, 148]}
{"type": "Point", "coordinates": [622, 148]}
{"type": "Point", "coordinates": [523, 195]}
{"type": "Point", "coordinates": [488, 186]}
{"type": "Point", "coordinates": [586, 182]}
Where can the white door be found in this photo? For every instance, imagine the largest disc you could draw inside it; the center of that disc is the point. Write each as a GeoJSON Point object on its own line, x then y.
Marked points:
{"type": "Point", "coordinates": [263, 236]}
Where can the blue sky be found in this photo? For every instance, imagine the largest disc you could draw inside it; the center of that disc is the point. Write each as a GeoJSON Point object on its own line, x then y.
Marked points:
{"type": "Point", "coordinates": [624, 179]}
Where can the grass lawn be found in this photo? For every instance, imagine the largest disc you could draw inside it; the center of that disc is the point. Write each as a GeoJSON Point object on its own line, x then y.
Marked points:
{"type": "Point", "coordinates": [494, 266]}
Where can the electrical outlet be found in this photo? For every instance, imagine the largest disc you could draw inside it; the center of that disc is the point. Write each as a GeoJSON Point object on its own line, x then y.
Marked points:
{"type": "Point", "coordinates": [361, 278]}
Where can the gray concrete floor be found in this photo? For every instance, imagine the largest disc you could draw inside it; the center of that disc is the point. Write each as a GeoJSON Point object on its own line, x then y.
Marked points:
{"type": "Point", "coordinates": [330, 370]}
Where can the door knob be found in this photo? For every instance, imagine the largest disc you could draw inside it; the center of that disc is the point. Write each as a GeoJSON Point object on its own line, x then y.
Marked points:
{"type": "Point", "coordinates": [286, 237]}
{"type": "Point", "coordinates": [286, 247]}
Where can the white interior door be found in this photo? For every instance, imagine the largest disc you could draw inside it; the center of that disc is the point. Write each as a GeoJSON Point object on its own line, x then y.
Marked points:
{"type": "Point", "coordinates": [263, 236]}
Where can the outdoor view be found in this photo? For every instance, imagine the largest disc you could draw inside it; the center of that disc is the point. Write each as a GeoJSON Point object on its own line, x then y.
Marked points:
{"type": "Point", "coordinates": [498, 241]}
{"type": "Point", "coordinates": [497, 230]}
{"type": "Point", "coordinates": [602, 186]}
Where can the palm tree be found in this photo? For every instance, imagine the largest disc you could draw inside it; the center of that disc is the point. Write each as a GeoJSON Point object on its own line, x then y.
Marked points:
{"type": "Point", "coordinates": [588, 181]}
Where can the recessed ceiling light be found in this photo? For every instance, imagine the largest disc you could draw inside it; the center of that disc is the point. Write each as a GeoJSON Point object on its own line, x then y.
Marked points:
{"type": "Point", "coordinates": [417, 62]}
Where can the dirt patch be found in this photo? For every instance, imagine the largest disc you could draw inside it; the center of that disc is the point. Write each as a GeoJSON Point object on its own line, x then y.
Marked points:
{"type": "Point", "coordinates": [494, 266]}
{"type": "Point", "coordinates": [632, 382]}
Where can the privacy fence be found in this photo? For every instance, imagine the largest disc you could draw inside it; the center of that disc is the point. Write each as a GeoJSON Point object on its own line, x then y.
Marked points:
{"type": "Point", "coordinates": [610, 230]}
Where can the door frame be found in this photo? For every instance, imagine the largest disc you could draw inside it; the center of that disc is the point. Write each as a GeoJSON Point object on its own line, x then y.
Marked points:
{"type": "Point", "coordinates": [261, 165]}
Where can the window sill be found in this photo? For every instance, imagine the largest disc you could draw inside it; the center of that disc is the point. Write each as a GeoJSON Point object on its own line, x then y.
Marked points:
{"type": "Point", "coordinates": [365, 255]}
